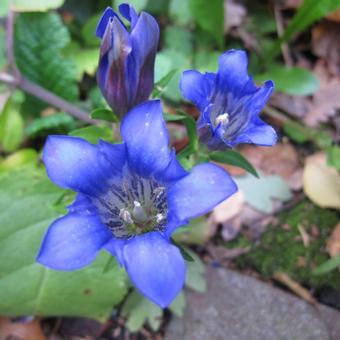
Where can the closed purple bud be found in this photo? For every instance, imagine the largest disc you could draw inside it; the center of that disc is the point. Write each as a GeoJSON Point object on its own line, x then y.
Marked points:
{"type": "Point", "coordinates": [127, 57]}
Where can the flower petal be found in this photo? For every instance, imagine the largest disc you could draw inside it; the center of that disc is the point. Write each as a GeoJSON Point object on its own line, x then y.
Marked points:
{"type": "Point", "coordinates": [144, 40]}
{"type": "Point", "coordinates": [259, 133]}
{"type": "Point", "coordinates": [155, 266]}
{"type": "Point", "coordinates": [144, 132]}
{"type": "Point", "coordinates": [197, 87]}
{"type": "Point", "coordinates": [173, 172]}
{"type": "Point", "coordinates": [73, 163]}
{"type": "Point", "coordinates": [200, 191]}
{"type": "Point", "coordinates": [72, 242]}
{"type": "Point", "coordinates": [115, 247]}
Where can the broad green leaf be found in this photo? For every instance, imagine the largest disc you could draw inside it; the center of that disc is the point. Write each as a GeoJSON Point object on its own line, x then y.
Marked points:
{"type": "Point", "coordinates": [333, 156]}
{"type": "Point", "coordinates": [296, 81]}
{"type": "Point", "coordinates": [195, 278]}
{"type": "Point", "coordinates": [162, 83]}
{"type": "Point", "coordinates": [93, 133]}
{"type": "Point", "coordinates": [235, 158]}
{"type": "Point", "coordinates": [35, 5]}
{"type": "Point", "coordinates": [179, 12]}
{"type": "Point", "coordinates": [19, 158]}
{"type": "Point", "coordinates": [89, 32]}
{"type": "Point", "coordinates": [206, 61]}
{"type": "Point", "coordinates": [104, 114]}
{"type": "Point", "coordinates": [183, 251]}
{"type": "Point", "coordinates": [259, 192]}
{"type": "Point", "coordinates": [178, 39]}
{"type": "Point", "coordinates": [307, 14]}
{"type": "Point", "coordinates": [58, 122]}
{"type": "Point", "coordinates": [178, 305]}
{"type": "Point", "coordinates": [138, 310]}
{"type": "Point", "coordinates": [11, 126]}
{"type": "Point", "coordinates": [328, 266]}
{"type": "Point", "coordinates": [4, 8]}
{"type": "Point", "coordinates": [296, 132]}
{"type": "Point", "coordinates": [39, 41]}
{"type": "Point", "coordinates": [166, 61]}
{"type": "Point", "coordinates": [3, 58]}
{"type": "Point", "coordinates": [209, 17]}
{"type": "Point", "coordinates": [28, 288]}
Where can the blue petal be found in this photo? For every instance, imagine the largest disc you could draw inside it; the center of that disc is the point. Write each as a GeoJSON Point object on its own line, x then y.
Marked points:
{"type": "Point", "coordinates": [82, 205]}
{"type": "Point", "coordinates": [233, 74]}
{"type": "Point", "coordinates": [173, 172]}
{"type": "Point", "coordinates": [73, 163]}
{"type": "Point", "coordinates": [115, 247]}
{"type": "Point", "coordinates": [129, 13]}
{"type": "Point", "coordinates": [258, 133]}
{"type": "Point", "coordinates": [144, 41]}
{"type": "Point", "coordinates": [72, 242]}
{"type": "Point", "coordinates": [155, 266]}
{"type": "Point", "coordinates": [197, 88]}
{"type": "Point", "coordinates": [196, 194]}
{"type": "Point", "coordinates": [108, 14]}
{"type": "Point", "coordinates": [115, 154]}
{"type": "Point", "coordinates": [144, 132]}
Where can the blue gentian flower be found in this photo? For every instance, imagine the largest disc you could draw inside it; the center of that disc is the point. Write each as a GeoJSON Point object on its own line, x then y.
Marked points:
{"type": "Point", "coordinates": [229, 103]}
{"type": "Point", "coordinates": [126, 63]}
{"type": "Point", "coordinates": [131, 198]}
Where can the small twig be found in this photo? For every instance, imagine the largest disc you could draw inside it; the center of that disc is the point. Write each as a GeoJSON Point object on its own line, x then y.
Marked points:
{"type": "Point", "coordinates": [46, 96]}
{"type": "Point", "coordinates": [280, 29]}
{"type": "Point", "coordinates": [294, 287]}
{"type": "Point", "coordinates": [9, 42]}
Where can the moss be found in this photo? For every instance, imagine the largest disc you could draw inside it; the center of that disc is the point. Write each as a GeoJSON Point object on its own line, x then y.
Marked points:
{"type": "Point", "coordinates": [281, 247]}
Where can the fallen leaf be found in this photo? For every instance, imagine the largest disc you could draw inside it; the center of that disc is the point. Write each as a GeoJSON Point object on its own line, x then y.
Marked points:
{"type": "Point", "coordinates": [326, 101]}
{"type": "Point", "coordinates": [234, 14]}
{"type": "Point", "coordinates": [334, 16]}
{"type": "Point", "coordinates": [21, 330]}
{"type": "Point", "coordinates": [281, 159]}
{"type": "Point", "coordinates": [333, 243]}
{"type": "Point", "coordinates": [259, 192]}
{"type": "Point", "coordinates": [326, 44]}
{"type": "Point", "coordinates": [321, 183]}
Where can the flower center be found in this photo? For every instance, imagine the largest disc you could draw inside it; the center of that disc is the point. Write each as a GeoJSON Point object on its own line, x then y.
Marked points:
{"type": "Point", "coordinates": [222, 119]}
{"type": "Point", "coordinates": [135, 206]}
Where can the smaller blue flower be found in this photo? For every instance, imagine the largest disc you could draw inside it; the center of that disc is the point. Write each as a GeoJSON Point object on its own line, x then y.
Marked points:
{"type": "Point", "coordinates": [127, 57]}
{"type": "Point", "coordinates": [131, 198]}
{"type": "Point", "coordinates": [229, 103]}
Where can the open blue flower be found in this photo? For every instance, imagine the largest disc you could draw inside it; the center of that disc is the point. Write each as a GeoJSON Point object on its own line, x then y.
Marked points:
{"type": "Point", "coordinates": [131, 197]}
{"type": "Point", "coordinates": [126, 64]}
{"type": "Point", "coordinates": [229, 103]}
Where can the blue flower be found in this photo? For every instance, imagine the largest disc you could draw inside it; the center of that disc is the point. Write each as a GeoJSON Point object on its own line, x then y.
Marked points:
{"type": "Point", "coordinates": [131, 197]}
{"type": "Point", "coordinates": [126, 64]}
{"type": "Point", "coordinates": [229, 103]}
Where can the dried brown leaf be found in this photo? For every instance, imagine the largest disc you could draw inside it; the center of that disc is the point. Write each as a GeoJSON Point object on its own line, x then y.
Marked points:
{"type": "Point", "coordinates": [333, 243]}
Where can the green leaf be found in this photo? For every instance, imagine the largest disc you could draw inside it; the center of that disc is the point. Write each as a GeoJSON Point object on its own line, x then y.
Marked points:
{"type": "Point", "coordinates": [195, 278]}
{"type": "Point", "coordinates": [296, 132]}
{"type": "Point", "coordinates": [328, 266]}
{"type": "Point", "coordinates": [28, 288]}
{"type": "Point", "coordinates": [183, 251]}
{"type": "Point", "coordinates": [260, 192]}
{"type": "Point", "coordinates": [178, 39]}
{"type": "Point", "coordinates": [307, 14]}
{"type": "Point", "coordinates": [19, 158]}
{"type": "Point", "coordinates": [39, 41]}
{"type": "Point", "coordinates": [333, 156]}
{"type": "Point", "coordinates": [11, 126]}
{"type": "Point", "coordinates": [206, 61]}
{"type": "Point", "coordinates": [211, 22]}
{"type": "Point", "coordinates": [138, 310]}
{"type": "Point", "coordinates": [93, 133]}
{"type": "Point", "coordinates": [166, 61]}
{"type": "Point", "coordinates": [35, 5]}
{"type": "Point", "coordinates": [104, 114]}
{"type": "Point", "coordinates": [179, 12]}
{"type": "Point", "coordinates": [160, 86]}
{"type": "Point", "coordinates": [296, 81]}
{"type": "Point", "coordinates": [235, 158]}
{"type": "Point", "coordinates": [59, 122]}
{"type": "Point", "coordinates": [178, 305]}
{"type": "Point", "coordinates": [89, 32]}
{"type": "Point", "coordinates": [4, 8]}
{"type": "Point", "coordinates": [3, 58]}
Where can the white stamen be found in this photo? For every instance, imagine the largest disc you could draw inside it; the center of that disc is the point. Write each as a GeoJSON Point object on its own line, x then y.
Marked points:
{"type": "Point", "coordinates": [159, 191]}
{"type": "Point", "coordinates": [138, 212]}
{"type": "Point", "coordinates": [125, 216]}
{"type": "Point", "coordinates": [222, 119]}
{"type": "Point", "coordinates": [159, 218]}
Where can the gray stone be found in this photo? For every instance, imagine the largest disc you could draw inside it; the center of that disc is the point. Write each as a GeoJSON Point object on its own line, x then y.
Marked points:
{"type": "Point", "coordinates": [238, 307]}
